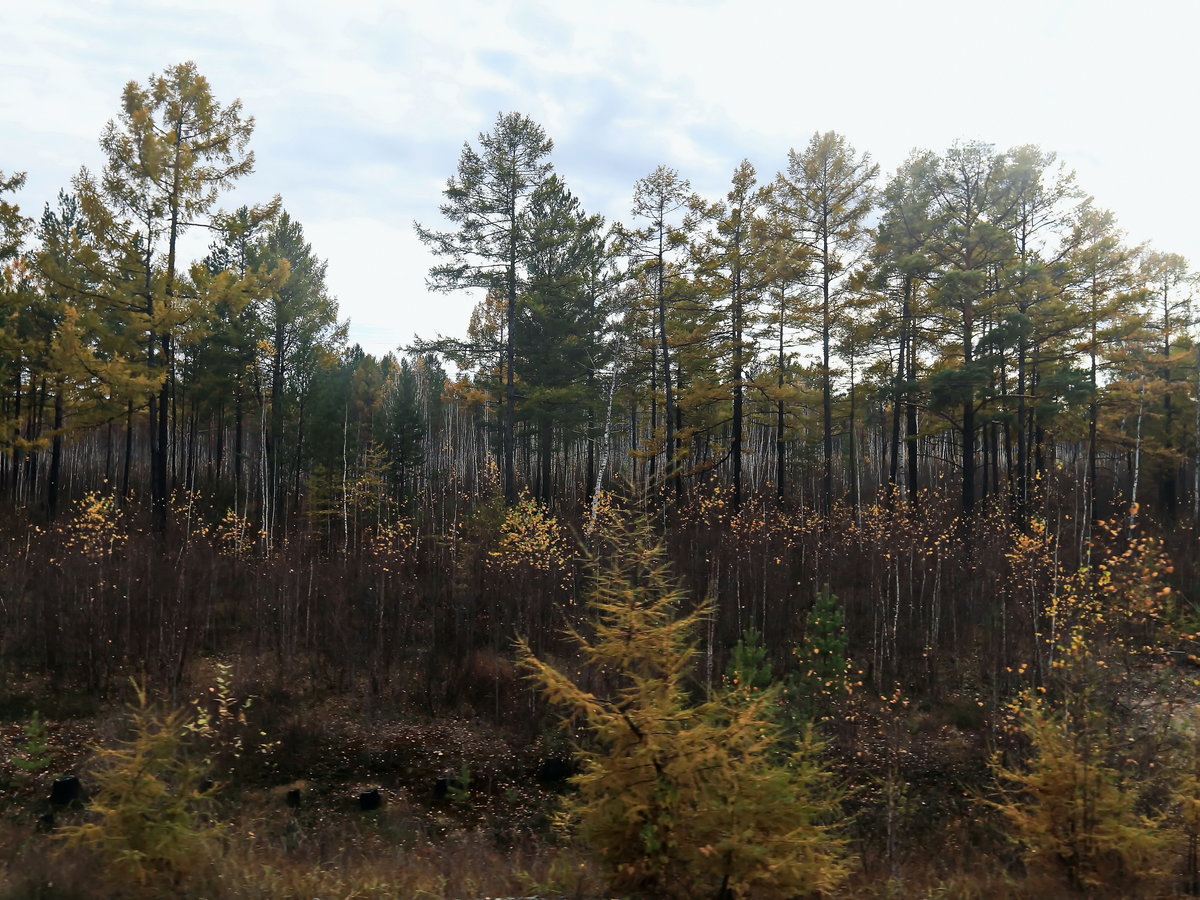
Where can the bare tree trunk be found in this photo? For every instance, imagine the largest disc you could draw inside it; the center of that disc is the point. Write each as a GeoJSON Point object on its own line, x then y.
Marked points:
{"type": "Point", "coordinates": [52, 482]}
{"type": "Point", "coordinates": [605, 443]}
{"type": "Point", "coordinates": [1137, 457]}
{"type": "Point", "coordinates": [1196, 449]}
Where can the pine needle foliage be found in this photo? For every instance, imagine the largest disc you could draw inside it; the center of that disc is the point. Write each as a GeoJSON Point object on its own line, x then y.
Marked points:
{"type": "Point", "coordinates": [749, 668]}
{"type": "Point", "coordinates": [679, 797]}
{"type": "Point", "coordinates": [822, 674]}
{"type": "Point", "coordinates": [147, 817]}
{"type": "Point", "coordinates": [35, 754]}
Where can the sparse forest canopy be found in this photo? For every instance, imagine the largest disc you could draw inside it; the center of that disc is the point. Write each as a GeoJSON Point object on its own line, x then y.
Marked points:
{"type": "Point", "coordinates": [912, 462]}
{"type": "Point", "coordinates": [829, 334]}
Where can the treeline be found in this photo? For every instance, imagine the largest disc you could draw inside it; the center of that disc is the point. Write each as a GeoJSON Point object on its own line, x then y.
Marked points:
{"type": "Point", "coordinates": [821, 336]}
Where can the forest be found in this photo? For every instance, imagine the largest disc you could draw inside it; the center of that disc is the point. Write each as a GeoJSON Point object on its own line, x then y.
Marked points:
{"type": "Point", "coordinates": [750, 547]}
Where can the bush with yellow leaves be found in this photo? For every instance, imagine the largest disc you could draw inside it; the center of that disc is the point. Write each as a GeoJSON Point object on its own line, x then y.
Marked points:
{"type": "Point", "coordinates": [1077, 819]}
{"type": "Point", "coordinates": [98, 528]}
{"type": "Point", "coordinates": [531, 538]}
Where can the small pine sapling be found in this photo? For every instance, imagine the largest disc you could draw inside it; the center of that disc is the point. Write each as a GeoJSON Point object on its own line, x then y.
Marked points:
{"type": "Point", "coordinates": [748, 669]}
{"type": "Point", "coordinates": [35, 754]}
{"type": "Point", "coordinates": [822, 673]}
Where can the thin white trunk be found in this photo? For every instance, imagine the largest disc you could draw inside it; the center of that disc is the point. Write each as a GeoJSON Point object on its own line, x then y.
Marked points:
{"type": "Point", "coordinates": [605, 441]}
{"type": "Point", "coordinates": [1137, 456]}
{"type": "Point", "coordinates": [263, 473]}
{"type": "Point", "coordinates": [345, 499]}
{"type": "Point", "coordinates": [1196, 449]}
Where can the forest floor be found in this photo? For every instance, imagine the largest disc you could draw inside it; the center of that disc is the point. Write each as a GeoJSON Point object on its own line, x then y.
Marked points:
{"type": "Point", "coordinates": [466, 804]}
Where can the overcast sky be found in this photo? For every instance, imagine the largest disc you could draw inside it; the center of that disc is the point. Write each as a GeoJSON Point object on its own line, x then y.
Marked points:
{"type": "Point", "coordinates": [362, 107]}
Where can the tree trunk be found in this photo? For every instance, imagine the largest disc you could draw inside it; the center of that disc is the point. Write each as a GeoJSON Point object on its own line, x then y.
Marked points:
{"type": "Point", "coordinates": [545, 458]}
{"type": "Point", "coordinates": [912, 439]}
{"type": "Point", "coordinates": [52, 482]}
{"type": "Point", "coordinates": [128, 452]}
{"type": "Point", "coordinates": [826, 386]}
{"type": "Point", "coordinates": [968, 421]}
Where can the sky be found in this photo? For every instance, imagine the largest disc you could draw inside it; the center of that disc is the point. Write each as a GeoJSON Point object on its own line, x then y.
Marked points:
{"type": "Point", "coordinates": [362, 107]}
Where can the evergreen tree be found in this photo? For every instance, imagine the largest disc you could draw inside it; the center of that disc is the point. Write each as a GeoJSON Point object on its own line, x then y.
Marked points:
{"type": "Point", "coordinates": [903, 271]}
{"type": "Point", "coordinates": [13, 225]}
{"type": "Point", "coordinates": [489, 202]}
{"type": "Point", "coordinates": [1044, 202]}
{"type": "Point", "coordinates": [559, 330]}
{"type": "Point", "coordinates": [224, 361]}
{"type": "Point", "coordinates": [822, 660]}
{"type": "Point", "coordinates": [733, 261]}
{"type": "Point", "coordinates": [1169, 315]}
{"type": "Point", "coordinates": [968, 241]}
{"type": "Point", "coordinates": [299, 321]}
{"type": "Point", "coordinates": [1103, 289]}
{"type": "Point", "coordinates": [406, 425]}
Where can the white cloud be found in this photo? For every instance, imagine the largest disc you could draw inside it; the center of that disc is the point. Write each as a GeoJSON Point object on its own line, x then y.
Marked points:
{"type": "Point", "coordinates": [362, 107]}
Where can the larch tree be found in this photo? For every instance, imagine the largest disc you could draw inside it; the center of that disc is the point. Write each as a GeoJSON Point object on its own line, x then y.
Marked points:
{"type": "Point", "coordinates": [733, 261]}
{"type": "Point", "coordinates": [827, 191]}
{"type": "Point", "coordinates": [488, 202]}
{"type": "Point", "coordinates": [663, 201]}
{"type": "Point", "coordinates": [169, 154]}
{"type": "Point", "coordinates": [683, 798]}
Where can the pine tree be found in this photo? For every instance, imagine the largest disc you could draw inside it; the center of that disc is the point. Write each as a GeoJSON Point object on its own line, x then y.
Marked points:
{"type": "Point", "coordinates": [734, 265]}
{"type": "Point", "coordinates": [299, 321]}
{"type": "Point", "coordinates": [560, 325]}
{"type": "Point", "coordinates": [405, 425]}
{"type": "Point", "coordinates": [489, 201]}
{"type": "Point", "coordinates": [969, 244]}
{"type": "Point", "coordinates": [1043, 201]}
{"type": "Point", "coordinates": [903, 272]}
{"type": "Point", "coordinates": [13, 225]}
{"type": "Point", "coordinates": [822, 664]}
{"type": "Point", "coordinates": [1104, 296]}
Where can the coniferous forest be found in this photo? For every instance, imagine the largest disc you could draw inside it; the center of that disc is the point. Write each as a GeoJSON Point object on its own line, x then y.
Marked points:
{"type": "Point", "coordinates": [831, 537]}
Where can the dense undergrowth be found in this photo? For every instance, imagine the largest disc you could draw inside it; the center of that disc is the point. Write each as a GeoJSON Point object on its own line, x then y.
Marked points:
{"type": "Point", "coordinates": [1018, 693]}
